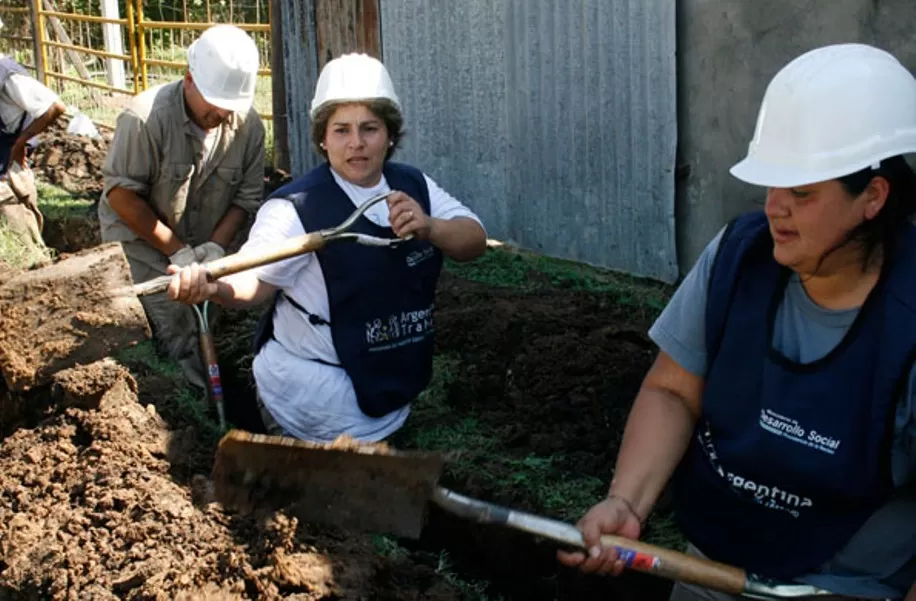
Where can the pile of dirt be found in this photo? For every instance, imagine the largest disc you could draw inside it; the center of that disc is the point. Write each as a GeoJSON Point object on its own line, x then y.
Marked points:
{"type": "Point", "coordinates": [101, 495]}
{"type": "Point", "coordinates": [88, 508]}
{"type": "Point", "coordinates": [72, 162]}
{"type": "Point", "coordinates": [67, 313]}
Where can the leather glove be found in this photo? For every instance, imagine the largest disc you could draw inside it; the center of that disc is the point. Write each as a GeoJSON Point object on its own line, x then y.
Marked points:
{"type": "Point", "coordinates": [183, 257]}
{"type": "Point", "coordinates": [209, 251]}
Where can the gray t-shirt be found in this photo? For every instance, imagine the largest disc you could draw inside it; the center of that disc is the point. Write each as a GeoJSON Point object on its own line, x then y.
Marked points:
{"type": "Point", "coordinates": [886, 547]}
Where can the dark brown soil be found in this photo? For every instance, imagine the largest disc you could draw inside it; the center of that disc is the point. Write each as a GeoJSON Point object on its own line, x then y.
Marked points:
{"type": "Point", "coordinates": [88, 508]}
{"type": "Point", "coordinates": [72, 233]}
{"type": "Point", "coordinates": [103, 494]}
{"type": "Point", "coordinates": [77, 310]}
{"type": "Point", "coordinates": [72, 162]}
{"type": "Point", "coordinates": [550, 372]}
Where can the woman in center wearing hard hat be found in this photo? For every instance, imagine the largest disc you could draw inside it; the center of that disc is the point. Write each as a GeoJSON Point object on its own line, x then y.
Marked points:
{"type": "Point", "coordinates": [781, 404]}
{"type": "Point", "coordinates": [348, 341]}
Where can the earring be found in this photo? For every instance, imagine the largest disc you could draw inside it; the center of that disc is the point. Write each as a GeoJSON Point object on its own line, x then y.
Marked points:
{"type": "Point", "coordinates": [323, 147]}
{"type": "Point", "coordinates": [390, 144]}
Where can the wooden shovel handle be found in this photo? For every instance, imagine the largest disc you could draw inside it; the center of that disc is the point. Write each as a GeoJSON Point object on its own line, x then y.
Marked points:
{"type": "Point", "coordinates": [237, 262]}
{"type": "Point", "coordinates": [677, 566]}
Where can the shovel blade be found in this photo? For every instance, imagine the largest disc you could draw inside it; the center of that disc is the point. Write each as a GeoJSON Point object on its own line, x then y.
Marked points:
{"type": "Point", "coordinates": [355, 487]}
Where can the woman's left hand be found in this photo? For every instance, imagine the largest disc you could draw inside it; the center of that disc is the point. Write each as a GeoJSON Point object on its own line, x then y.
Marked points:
{"type": "Point", "coordinates": [407, 217]}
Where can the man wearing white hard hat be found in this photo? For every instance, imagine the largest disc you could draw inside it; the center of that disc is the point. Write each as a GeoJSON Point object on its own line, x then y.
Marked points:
{"type": "Point", "coordinates": [27, 108]}
{"type": "Point", "coordinates": [782, 404]}
{"type": "Point", "coordinates": [183, 175]}
{"type": "Point", "coordinates": [347, 343]}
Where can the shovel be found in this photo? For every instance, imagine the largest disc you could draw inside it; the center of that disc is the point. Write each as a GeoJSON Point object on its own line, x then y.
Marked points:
{"type": "Point", "coordinates": [211, 363]}
{"type": "Point", "coordinates": [86, 307]}
{"type": "Point", "coordinates": [371, 488]}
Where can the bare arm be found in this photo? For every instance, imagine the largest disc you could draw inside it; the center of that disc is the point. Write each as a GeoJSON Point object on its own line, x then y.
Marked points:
{"type": "Point", "coordinates": [460, 238]}
{"type": "Point", "coordinates": [243, 289]}
{"type": "Point", "coordinates": [657, 434]}
{"type": "Point", "coordinates": [191, 286]}
{"type": "Point", "coordinates": [17, 154]}
{"type": "Point", "coordinates": [230, 224]}
{"type": "Point", "coordinates": [140, 218]}
{"type": "Point", "coordinates": [666, 409]}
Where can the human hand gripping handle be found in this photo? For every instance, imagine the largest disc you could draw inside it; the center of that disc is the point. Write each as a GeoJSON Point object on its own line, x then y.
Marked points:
{"type": "Point", "coordinates": [192, 285]}
{"type": "Point", "coordinates": [612, 516]}
{"type": "Point", "coordinates": [407, 217]}
{"type": "Point", "coordinates": [610, 531]}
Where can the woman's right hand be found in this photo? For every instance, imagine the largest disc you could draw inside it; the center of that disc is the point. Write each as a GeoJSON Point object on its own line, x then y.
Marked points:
{"type": "Point", "coordinates": [191, 285]}
{"type": "Point", "coordinates": [611, 516]}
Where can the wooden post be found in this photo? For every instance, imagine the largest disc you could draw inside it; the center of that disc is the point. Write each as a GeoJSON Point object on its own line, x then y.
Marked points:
{"type": "Point", "coordinates": [114, 68]}
{"type": "Point", "coordinates": [346, 26]}
{"type": "Point", "coordinates": [278, 88]}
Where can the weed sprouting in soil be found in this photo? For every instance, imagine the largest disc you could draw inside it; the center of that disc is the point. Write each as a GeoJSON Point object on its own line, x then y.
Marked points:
{"type": "Point", "coordinates": [18, 255]}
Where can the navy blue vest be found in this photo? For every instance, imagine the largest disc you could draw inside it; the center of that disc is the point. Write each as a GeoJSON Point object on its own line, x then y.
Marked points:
{"type": "Point", "coordinates": [381, 299]}
{"type": "Point", "coordinates": [789, 459]}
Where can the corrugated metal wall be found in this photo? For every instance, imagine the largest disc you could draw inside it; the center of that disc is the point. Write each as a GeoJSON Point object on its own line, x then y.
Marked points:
{"type": "Point", "coordinates": [300, 65]}
{"type": "Point", "coordinates": [555, 121]}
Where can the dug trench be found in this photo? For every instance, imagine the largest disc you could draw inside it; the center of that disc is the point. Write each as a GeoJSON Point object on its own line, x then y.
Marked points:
{"type": "Point", "coordinates": [531, 392]}
{"type": "Point", "coordinates": [102, 473]}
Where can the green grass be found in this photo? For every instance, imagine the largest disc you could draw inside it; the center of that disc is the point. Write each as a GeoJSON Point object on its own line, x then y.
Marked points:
{"type": "Point", "coordinates": [57, 203]}
{"type": "Point", "coordinates": [145, 354]}
{"type": "Point", "coordinates": [475, 451]}
{"type": "Point", "coordinates": [516, 268]}
{"type": "Point", "coordinates": [470, 590]}
{"type": "Point", "coordinates": [190, 405]}
{"type": "Point", "coordinates": [18, 255]}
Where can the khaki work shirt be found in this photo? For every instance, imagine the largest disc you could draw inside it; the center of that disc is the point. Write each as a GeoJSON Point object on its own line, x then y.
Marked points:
{"type": "Point", "coordinates": [157, 154]}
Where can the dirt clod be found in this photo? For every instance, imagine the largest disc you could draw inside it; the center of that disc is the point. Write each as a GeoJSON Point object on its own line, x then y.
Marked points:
{"type": "Point", "coordinates": [72, 162]}
{"type": "Point", "coordinates": [66, 314]}
{"type": "Point", "coordinates": [85, 385]}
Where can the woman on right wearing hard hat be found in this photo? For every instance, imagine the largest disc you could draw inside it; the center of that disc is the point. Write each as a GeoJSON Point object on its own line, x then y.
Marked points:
{"type": "Point", "coordinates": [348, 341]}
{"type": "Point", "coordinates": [781, 402]}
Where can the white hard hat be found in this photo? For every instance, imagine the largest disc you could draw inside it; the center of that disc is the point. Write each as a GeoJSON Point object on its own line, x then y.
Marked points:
{"type": "Point", "coordinates": [224, 64]}
{"type": "Point", "coordinates": [831, 112]}
{"type": "Point", "coordinates": [353, 77]}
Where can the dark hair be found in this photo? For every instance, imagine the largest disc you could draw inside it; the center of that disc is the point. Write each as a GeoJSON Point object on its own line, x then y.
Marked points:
{"type": "Point", "coordinates": [382, 109]}
{"type": "Point", "coordinates": [879, 233]}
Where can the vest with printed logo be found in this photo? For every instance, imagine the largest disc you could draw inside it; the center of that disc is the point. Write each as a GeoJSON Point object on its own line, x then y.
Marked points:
{"type": "Point", "coordinates": [381, 299]}
{"type": "Point", "coordinates": [788, 459]}
{"type": "Point", "coordinates": [8, 67]}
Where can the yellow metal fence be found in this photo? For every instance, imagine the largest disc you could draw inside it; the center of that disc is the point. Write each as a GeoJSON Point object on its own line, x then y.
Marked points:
{"type": "Point", "coordinates": [47, 25]}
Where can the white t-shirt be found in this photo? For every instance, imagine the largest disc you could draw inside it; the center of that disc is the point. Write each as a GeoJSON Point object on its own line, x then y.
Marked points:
{"type": "Point", "coordinates": [23, 96]}
{"type": "Point", "coordinates": [311, 400]}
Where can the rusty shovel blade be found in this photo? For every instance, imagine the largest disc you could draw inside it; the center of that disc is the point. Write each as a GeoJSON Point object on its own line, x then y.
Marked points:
{"type": "Point", "coordinates": [353, 486]}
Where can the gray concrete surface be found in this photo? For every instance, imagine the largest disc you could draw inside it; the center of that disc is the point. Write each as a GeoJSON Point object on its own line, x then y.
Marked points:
{"type": "Point", "coordinates": [728, 50]}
